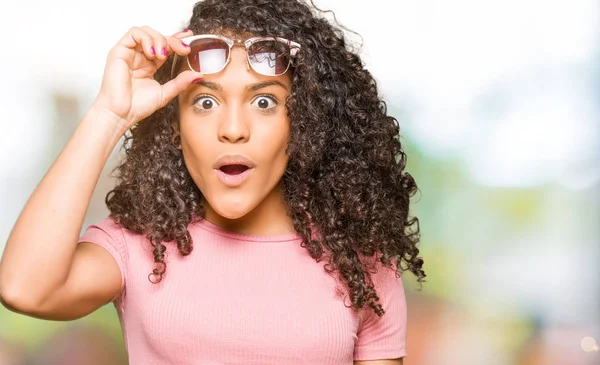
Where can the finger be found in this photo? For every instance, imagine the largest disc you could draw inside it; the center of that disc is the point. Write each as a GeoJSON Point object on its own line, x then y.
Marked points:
{"type": "Point", "coordinates": [160, 43]}
{"type": "Point", "coordinates": [177, 46]}
{"type": "Point", "coordinates": [136, 39]}
{"type": "Point", "coordinates": [183, 33]}
{"type": "Point", "coordinates": [179, 84]}
{"type": "Point", "coordinates": [175, 43]}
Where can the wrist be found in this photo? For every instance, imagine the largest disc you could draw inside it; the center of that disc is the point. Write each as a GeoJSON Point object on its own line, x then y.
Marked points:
{"type": "Point", "coordinates": [108, 118]}
{"type": "Point", "coordinates": [106, 121]}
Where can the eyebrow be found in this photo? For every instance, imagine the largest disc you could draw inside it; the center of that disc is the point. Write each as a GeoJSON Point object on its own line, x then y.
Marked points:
{"type": "Point", "coordinates": [250, 88]}
{"type": "Point", "coordinates": [261, 85]}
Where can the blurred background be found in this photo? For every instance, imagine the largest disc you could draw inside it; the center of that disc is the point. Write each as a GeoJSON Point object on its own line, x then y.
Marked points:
{"type": "Point", "coordinates": [499, 104]}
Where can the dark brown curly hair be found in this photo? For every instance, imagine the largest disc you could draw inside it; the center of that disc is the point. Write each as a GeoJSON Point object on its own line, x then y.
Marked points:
{"type": "Point", "coordinates": [345, 185]}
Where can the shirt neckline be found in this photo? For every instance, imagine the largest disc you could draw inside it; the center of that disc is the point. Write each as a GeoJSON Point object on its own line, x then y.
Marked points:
{"type": "Point", "coordinates": [208, 226]}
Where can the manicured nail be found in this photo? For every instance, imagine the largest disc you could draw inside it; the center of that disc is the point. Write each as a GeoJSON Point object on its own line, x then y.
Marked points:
{"type": "Point", "coordinates": [186, 30]}
{"type": "Point", "coordinates": [164, 51]}
{"type": "Point", "coordinates": [152, 50]}
{"type": "Point", "coordinates": [185, 45]}
{"type": "Point", "coordinates": [196, 80]}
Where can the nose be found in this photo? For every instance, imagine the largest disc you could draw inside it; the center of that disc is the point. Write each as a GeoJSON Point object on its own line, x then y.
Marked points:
{"type": "Point", "coordinates": [234, 127]}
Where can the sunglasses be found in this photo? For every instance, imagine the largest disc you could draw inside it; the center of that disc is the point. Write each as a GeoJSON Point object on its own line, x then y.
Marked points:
{"type": "Point", "coordinates": [210, 53]}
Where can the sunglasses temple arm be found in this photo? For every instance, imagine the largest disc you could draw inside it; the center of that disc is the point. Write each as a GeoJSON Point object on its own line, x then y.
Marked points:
{"type": "Point", "coordinates": [173, 66]}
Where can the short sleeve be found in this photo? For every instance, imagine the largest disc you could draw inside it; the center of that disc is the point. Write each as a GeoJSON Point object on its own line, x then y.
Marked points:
{"type": "Point", "coordinates": [383, 337]}
{"type": "Point", "coordinates": [108, 234]}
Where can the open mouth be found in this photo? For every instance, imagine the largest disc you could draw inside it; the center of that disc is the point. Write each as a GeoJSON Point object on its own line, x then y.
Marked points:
{"type": "Point", "coordinates": [233, 169]}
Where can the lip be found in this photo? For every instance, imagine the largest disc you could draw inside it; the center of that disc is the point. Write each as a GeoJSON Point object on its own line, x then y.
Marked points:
{"type": "Point", "coordinates": [233, 180]}
{"type": "Point", "coordinates": [234, 160]}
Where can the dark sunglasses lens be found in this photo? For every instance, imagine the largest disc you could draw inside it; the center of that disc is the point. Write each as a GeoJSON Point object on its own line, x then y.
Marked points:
{"type": "Point", "coordinates": [270, 58]}
{"type": "Point", "coordinates": [208, 55]}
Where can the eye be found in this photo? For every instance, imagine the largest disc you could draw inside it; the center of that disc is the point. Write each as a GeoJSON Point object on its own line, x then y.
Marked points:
{"type": "Point", "coordinates": [205, 103]}
{"type": "Point", "coordinates": [264, 102]}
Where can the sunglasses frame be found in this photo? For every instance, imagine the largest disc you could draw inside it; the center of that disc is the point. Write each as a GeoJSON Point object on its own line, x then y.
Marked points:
{"type": "Point", "coordinates": [294, 48]}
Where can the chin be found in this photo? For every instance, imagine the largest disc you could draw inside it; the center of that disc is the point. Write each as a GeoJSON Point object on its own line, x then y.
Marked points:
{"type": "Point", "coordinates": [231, 214]}
{"type": "Point", "coordinates": [231, 210]}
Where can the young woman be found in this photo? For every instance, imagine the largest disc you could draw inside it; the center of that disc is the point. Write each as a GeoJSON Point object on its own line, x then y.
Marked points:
{"type": "Point", "coordinates": [261, 212]}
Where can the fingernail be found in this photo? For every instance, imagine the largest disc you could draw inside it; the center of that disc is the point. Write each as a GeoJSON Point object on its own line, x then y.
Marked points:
{"type": "Point", "coordinates": [152, 50]}
{"type": "Point", "coordinates": [185, 45]}
{"type": "Point", "coordinates": [164, 51]}
{"type": "Point", "coordinates": [196, 80]}
{"type": "Point", "coordinates": [186, 30]}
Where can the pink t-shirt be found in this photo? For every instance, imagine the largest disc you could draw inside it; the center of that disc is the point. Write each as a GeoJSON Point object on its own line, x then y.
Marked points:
{"type": "Point", "coordinates": [240, 299]}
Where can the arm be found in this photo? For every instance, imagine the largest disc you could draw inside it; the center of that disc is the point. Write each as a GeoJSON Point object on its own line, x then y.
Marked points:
{"type": "Point", "coordinates": [44, 273]}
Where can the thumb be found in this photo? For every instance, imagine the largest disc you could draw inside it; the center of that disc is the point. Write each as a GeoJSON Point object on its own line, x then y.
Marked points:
{"type": "Point", "coordinates": [179, 84]}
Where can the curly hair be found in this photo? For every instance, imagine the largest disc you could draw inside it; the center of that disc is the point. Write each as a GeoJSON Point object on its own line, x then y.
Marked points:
{"type": "Point", "coordinates": [345, 186]}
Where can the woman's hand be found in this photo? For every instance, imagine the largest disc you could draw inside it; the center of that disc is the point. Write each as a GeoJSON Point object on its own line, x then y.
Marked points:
{"type": "Point", "coordinates": [128, 89]}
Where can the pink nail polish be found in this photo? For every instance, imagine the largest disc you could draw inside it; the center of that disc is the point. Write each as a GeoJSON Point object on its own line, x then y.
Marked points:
{"type": "Point", "coordinates": [196, 80]}
{"type": "Point", "coordinates": [186, 30]}
{"type": "Point", "coordinates": [152, 50]}
{"type": "Point", "coordinates": [185, 45]}
{"type": "Point", "coordinates": [164, 51]}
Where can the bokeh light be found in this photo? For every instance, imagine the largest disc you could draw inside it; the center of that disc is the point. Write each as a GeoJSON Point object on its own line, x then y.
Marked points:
{"type": "Point", "coordinates": [588, 344]}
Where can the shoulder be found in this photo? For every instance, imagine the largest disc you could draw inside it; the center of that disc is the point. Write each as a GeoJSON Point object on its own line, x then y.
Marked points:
{"type": "Point", "coordinates": [110, 235]}
{"type": "Point", "coordinates": [383, 337]}
{"type": "Point", "coordinates": [107, 226]}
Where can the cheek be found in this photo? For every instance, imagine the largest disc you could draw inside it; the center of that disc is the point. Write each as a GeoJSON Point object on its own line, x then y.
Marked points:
{"type": "Point", "coordinates": [277, 158]}
{"type": "Point", "coordinates": [196, 135]}
{"type": "Point", "coordinates": [274, 137]}
{"type": "Point", "coordinates": [281, 141]}
{"type": "Point", "coordinates": [196, 153]}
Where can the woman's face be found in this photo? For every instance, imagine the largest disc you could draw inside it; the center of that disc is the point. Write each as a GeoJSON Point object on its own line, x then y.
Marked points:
{"type": "Point", "coordinates": [236, 112]}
